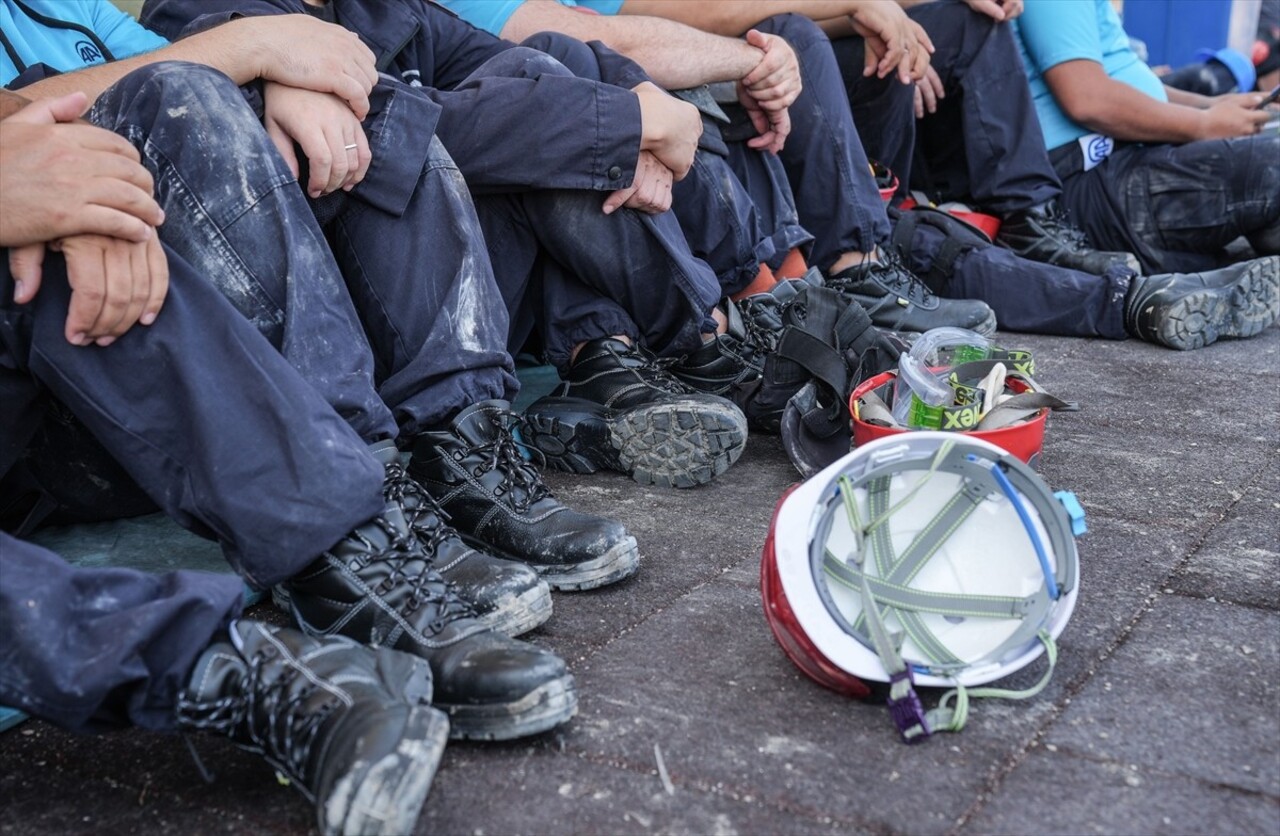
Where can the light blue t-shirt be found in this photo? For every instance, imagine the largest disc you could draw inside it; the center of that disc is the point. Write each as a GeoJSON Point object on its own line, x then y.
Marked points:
{"type": "Point", "coordinates": [1051, 32]}
{"type": "Point", "coordinates": [492, 15]}
{"type": "Point", "coordinates": [79, 34]}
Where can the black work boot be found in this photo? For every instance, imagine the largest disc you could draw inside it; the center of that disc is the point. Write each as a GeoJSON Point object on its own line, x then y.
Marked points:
{"type": "Point", "coordinates": [506, 596]}
{"type": "Point", "coordinates": [347, 725]}
{"type": "Point", "coordinates": [377, 586]}
{"type": "Point", "coordinates": [898, 301]}
{"type": "Point", "coordinates": [620, 410]}
{"type": "Point", "coordinates": [1192, 310]}
{"type": "Point", "coordinates": [475, 471]}
{"type": "Point", "coordinates": [737, 364]}
{"type": "Point", "coordinates": [1043, 233]}
{"type": "Point", "coordinates": [726, 364]}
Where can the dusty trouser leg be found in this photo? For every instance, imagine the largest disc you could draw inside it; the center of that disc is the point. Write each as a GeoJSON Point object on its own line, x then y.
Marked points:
{"type": "Point", "coordinates": [235, 213]}
{"type": "Point", "coordinates": [888, 141]}
{"type": "Point", "coordinates": [722, 223]}
{"type": "Point", "coordinates": [1177, 205]}
{"type": "Point", "coordinates": [425, 291]}
{"type": "Point", "coordinates": [836, 194]}
{"type": "Point", "coordinates": [1026, 295]}
{"type": "Point", "coordinates": [731, 224]}
{"type": "Point", "coordinates": [202, 413]}
{"type": "Point", "coordinates": [95, 648]}
{"type": "Point", "coordinates": [984, 143]}
{"type": "Point", "coordinates": [634, 275]}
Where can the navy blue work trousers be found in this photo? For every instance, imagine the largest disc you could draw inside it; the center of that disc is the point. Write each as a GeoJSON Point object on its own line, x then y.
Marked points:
{"type": "Point", "coordinates": [1177, 206]}
{"type": "Point", "coordinates": [826, 165]}
{"type": "Point", "coordinates": [411, 280]}
{"type": "Point", "coordinates": [90, 649]}
{"type": "Point", "coordinates": [579, 274]}
{"type": "Point", "coordinates": [1028, 296]}
{"type": "Point", "coordinates": [733, 218]}
{"type": "Point", "coordinates": [221, 433]}
{"type": "Point", "coordinates": [984, 145]}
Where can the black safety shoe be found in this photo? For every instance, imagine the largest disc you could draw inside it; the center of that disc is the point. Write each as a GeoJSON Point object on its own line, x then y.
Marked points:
{"type": "Point", "coordinates": [728, 363]}
{"type": "Point", "coordinates": [506, 596]}
{"type": "Point", "coordinates": [1043, 233]}
{"type": "Point", "coordinates": [1192, 310]}
{"type": "Point", "coordinates": [741, 364]}
{"type": "Point", "coordinates": [898, 301]}
{"type": "Point", "coordinates": [377, 587]}
{"type": "Point", "coordinates": [475, 471]}
{"type": "Point", "coordinates": [620, 410]}
{"type": "Point", "coordinates": [347, 725]}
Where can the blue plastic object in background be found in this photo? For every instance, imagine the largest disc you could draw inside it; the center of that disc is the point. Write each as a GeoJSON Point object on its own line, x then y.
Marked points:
{"type": "Point", "coordinates": [1175, 30]}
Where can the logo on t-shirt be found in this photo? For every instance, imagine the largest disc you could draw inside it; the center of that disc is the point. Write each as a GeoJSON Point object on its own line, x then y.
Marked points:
{"type": "Point", "coordinates": [88, 53]}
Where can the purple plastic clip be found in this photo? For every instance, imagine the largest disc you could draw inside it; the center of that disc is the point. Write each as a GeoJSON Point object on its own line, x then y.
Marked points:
{"type": "Point", "coordinates": [907, 712]}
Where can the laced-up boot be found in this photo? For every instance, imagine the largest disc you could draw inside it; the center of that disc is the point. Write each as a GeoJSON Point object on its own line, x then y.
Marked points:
{"type": "Point", "coordinates": [474, 469]}
{"type": "Point", "coordinates": [898, 301]}
{"type": "Point", "coordinates": [727, 364]}
{"type": "Point", "coordinates": [621, 410]}
{"type": "Point", "coordinates": [347, 725]}
{"type": "Point", "coordinates": [1191, 310]}
{"type": "Point", "coordinates": [741, 364]}
{"type": "Point", "coordinates": [507, 596]}
{"type": "Point", "coordinates": [1043, 233]}
{"type": "Point", "coordinates": [377, 586]}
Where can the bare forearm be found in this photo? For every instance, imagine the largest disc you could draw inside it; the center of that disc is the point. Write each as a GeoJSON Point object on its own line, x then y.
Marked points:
{"type": "Point", "coordinates": [674, 55]}
{"type": "Point", "coordinates": [227, 48]}
{"type": "Point", "coordinates": [1184, 97]}
{"type": "Point", "coordinates": [1096, 101]}
{"type": "Point", "coordinates": [734, 17]}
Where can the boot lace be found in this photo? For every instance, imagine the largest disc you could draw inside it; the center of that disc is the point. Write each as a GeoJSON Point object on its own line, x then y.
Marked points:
{"type": "Point", "coordinates": [651, 370]}
{"type": "Point", "coordinates": [762, 319]}
{"type": "Point", "coordinates": [409, 569]}
{"type": "Point", "coordinates": [424, 515]}
{"type": "Point", "coordinates": [891, 274]}
{"type": "Point", "coordinates": [272, 718]}
{"type": "Point", "coordinates": [1057, 222]}
{"type": "Point", "coordinates": [521, 484]}
{"type": "Point", "coordinates": [895, 277]}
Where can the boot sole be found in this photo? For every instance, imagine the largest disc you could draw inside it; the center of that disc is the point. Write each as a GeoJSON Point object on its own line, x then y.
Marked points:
{"type": "Point", "coordinates": [388, 797]}
{"type": "Point", "coordinates": [1241, 309]}
{"type": "Point", "coordinates": [618, 563]}
{"type": "Point", "coordinates": [542, 709]}
{"type": "Point", "coordinates": [680, 444]}
{"type": "Point", "coordinates": [518, 614]}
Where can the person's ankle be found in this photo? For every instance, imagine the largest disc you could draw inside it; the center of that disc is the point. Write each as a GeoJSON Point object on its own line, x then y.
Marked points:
{"type": "Point", "coordinates": [853, 258]}
{"type": "Point", "coordinates": [573, 355]}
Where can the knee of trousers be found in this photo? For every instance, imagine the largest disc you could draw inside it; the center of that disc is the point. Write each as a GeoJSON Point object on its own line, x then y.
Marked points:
{"type": "Point", "coordinates": [955, 22]}
{"type": "Point", "coordinates": [527, 61]}
{"type": "Point", "coordinates": [574, 55]}
{"type": "Point", "coordinates": [795, 29]}
{"type": "Point", "coordinates": [176, 90]}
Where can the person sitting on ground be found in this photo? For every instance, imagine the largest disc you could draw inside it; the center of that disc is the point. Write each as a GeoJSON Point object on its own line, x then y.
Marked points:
{"type": "Point", "coordinates": [820, 159]}
{"type": "Point", "coordinates": [827, 168]}
{"type": "Point", "coordinates": [1172, 176]}
{"type": "Point", "coordinates": [539, 210]}
{"type": "Point", "coordinates": [97, 648]}
{"type": "Point", "coordinates": [282, 277]}
{"type": "Point", "coordinates": [966, 146]}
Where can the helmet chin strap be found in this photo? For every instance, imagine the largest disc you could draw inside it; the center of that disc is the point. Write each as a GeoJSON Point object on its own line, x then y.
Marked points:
{"type": "Point", "coordinates": [888, 592]}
